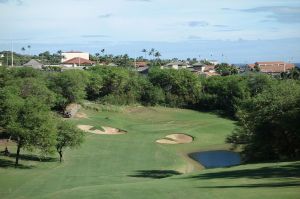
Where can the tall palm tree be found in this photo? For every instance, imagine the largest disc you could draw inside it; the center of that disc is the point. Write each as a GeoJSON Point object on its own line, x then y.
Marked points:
{"type": "Point", "coordinates": [152, 51]}
{"type": "Point", "coordinates": [29, 47]}
{"type": "Point", "coordinates": [23, 49]}
{"type": "Point", "coordinates": [145, 51]}
{"type": "Point", "coordinates": [157, 55]}
{"type": "Point", "coordinates": [97, 56]}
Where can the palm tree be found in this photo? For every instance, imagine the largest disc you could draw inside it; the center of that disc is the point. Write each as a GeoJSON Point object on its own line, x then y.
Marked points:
{"type": "Point", "coordinates": [29, 47]}
{"type": "Point", "coordinates": [23, 49]}
{"type": "Point", "coordinates": [145, 51]}
{"type": "Point", "coordinates": [151, 52]}
{"type": "Point", "coordinates": [97, 56]}
{"type": "Point", "coordinates": [157, 55]}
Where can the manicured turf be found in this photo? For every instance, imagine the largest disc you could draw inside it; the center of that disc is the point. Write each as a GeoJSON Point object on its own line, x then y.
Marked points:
{"type": "Point", "coordinates": [134, 166]}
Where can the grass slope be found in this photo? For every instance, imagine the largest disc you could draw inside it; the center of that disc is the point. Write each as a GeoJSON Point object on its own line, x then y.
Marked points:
{"type": "Point", "coordinates": [134, 166]}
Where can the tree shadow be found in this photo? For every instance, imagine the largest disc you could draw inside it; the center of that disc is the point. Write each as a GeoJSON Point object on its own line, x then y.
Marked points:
{"type": "Point", "coordinates": [291, 170]}
{"type": "Point", "coordinates": [11, 164]}
{"type": "Point", "coordinates": [259, 185]}
{"type": "Point", "coordinates": [27, 157]}
{"type": "Point", "coordinates": [155, 174]}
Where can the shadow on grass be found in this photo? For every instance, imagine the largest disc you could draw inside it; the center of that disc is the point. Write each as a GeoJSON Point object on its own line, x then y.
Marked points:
{"type": "Point", "coordinates": [260, 185]}
{"type": "Point", "coordinates": [155, 174]}
{"type": "Point", "coordinates": [11, 164]}
{"type": "Point", "coordinates": [27, 157]}
{"type": "Point", "coordinates": [291, 170]}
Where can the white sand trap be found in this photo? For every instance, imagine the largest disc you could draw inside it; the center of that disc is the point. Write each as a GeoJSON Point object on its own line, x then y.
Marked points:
{"type": "Point", "coordinates": [176, 139]}
{"type": "Point", "coordinates": [166, 141]}
{"type": "Point", "coordinates": [106, 130]}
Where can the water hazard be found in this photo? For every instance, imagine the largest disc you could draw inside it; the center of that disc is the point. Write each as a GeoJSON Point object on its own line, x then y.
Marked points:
{"type": "Point", "coordinates": [215, 159]}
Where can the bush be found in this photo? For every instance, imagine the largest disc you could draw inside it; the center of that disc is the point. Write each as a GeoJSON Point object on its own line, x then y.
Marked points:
{"type": "Point", "coordinates": [269, 123]}
{"type": "Point", "coordinates": [181, 87]}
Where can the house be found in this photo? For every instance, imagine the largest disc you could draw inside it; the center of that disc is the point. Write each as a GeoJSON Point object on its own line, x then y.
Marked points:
{"type": "Point", "coordinates": [202, 72]}
{"type": "Point", "coordinates": [73, 54]}
{"type": "Point", "coordinates": [198, 64]}
{"type": "Point", "coordinates": [77, 62]}
{"type": "Point", "coordinates": [208, 68]}
{"type": "Point", "coordinates": [276, 67]}
{"type": "Point", "coordinates": [213, 62]}
{"type": "Point", "coordinates": [140, 64]}
{"type": "Point", "coordinates": [143, 70]}
{"type": "Point", "coordinates": [34, 64]}
{"type": "Point", "coordinates": [176, 65]}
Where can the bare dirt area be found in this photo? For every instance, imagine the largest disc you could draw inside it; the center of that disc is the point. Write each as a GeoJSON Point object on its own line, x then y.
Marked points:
{"type": "Point", "coordinates": [106, 130]}
{"type": "Point", "coordinates": [177, 138]}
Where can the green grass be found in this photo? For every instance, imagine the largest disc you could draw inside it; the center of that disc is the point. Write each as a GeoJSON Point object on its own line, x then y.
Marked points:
{"type": "Point", "coordinates": [134, 166]}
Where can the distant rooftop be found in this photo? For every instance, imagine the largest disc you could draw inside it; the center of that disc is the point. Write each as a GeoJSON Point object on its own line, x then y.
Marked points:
{"type": "Point", "coordinates": [79, 61]}
{"type": "Point", "coordinates": [72, 51]}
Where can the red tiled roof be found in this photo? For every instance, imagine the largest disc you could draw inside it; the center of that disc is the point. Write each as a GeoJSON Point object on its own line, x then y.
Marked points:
{"type": "Point", "coordinates": [141, 64]}
{"type": "Point", "coordinates": [78, 60]}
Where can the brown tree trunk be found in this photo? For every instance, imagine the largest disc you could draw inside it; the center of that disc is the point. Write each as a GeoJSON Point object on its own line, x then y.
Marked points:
{"type": "Point", "coordinates": [60, 155]}
{"type": "Point", "coordinates": [18, 153]}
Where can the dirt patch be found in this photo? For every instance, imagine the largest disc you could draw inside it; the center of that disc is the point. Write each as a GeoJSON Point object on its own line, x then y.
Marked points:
{"type": "Point", "coordinates": [71, 110]}
{"type": "Point", "coordinates": [106, 130]}
{"type": "Point", "coordinates": [81, 116]}
{"type": "Point", "coordinates": [176, 139]}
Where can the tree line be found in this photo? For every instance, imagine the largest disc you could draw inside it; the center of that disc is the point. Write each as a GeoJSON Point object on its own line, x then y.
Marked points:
{"type": "Point", "coordinates": [266, 108]}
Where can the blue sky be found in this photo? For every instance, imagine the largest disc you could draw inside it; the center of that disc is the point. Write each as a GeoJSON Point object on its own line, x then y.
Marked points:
{"type": "Point", "coordinates": [242, 30]}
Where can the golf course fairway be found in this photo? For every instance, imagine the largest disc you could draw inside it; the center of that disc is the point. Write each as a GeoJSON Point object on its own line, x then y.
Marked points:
{"type": "Point", "coordinates": [134, 165]}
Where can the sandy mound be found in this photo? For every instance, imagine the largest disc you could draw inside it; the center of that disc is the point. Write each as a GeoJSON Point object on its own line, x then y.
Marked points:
{"type": "Point", "coordinates": [106, 130]}
{"type": "Point", "coordinates": [81, 116]}
{"type": "Point", "coordinates": [176, 139]}
{"type": "Point", "coordinates": [71, 110]}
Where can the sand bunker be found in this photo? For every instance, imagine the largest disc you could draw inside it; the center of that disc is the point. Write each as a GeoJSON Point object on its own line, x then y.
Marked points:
{"type": "Point", "coordinates": [176, 139]}
{"type": "Point", "coordinates": [105, 131]}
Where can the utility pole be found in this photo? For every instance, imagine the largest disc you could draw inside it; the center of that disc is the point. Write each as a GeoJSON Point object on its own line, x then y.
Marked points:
{"type": "Point", "coordinates": [12, 53]}
{"type": "Point", "coordinates": [134, 59]}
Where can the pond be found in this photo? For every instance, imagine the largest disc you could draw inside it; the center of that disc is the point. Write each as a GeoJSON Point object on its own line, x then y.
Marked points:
{"type": "Point", "coordinates": [215, 159]}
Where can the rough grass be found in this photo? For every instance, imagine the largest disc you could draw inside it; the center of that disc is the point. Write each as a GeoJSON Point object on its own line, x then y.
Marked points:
{"type": "Point", "coordinates": [134, 166]}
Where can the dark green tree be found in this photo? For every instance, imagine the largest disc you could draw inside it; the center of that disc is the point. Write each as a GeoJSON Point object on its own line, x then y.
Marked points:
{"type": "Point", "coordinates": [25, 115]}
{"type": "Point", "coordinates": [268, 126]}
{"type": "Point", "coordinates": [68, 136]}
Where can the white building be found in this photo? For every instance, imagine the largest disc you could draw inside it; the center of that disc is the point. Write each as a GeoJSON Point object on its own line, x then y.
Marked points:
{"type": "Point", "coordinates": [74, 54]}
{"type": "Point", "coordinates": [213, 62]}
